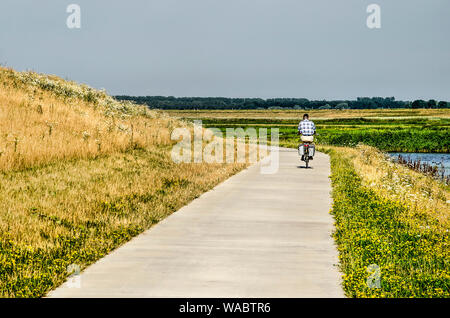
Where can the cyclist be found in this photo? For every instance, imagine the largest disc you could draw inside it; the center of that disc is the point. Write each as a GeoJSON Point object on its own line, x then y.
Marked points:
{"type": "Point", "coordinates": [307, 129]}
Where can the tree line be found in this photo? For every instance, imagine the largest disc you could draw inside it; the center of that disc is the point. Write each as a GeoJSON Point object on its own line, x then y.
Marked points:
{"type": "Point", "coordinates": [170, 102]}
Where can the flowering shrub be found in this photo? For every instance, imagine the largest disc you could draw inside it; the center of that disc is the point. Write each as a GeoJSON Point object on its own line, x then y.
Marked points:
{"type": "Point", "coordinates": [73, 90]}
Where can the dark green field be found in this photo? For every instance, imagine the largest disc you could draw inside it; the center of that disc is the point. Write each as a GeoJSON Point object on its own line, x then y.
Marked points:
{"type": "Point", "coordinates": [397, 135]}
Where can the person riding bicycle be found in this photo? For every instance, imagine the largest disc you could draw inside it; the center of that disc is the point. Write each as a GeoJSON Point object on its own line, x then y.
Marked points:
{"type": "Point", "coordinates": [307, 129]}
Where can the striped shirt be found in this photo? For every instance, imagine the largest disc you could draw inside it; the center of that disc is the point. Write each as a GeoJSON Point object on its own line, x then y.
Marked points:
{"type": "Point", "coordinates": [307, 128]}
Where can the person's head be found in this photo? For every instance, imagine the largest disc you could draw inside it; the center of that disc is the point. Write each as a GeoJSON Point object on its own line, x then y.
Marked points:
{"type": "Point", "coordinates": [305, 116]}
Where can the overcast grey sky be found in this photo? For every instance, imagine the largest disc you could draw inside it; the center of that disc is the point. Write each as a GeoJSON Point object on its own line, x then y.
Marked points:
{"type": "Point", "coordinates": [319, 49]}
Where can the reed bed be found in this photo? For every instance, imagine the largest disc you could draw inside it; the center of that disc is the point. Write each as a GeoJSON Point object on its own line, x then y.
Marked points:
{"type": "Point", "coordinates": [436, 172]}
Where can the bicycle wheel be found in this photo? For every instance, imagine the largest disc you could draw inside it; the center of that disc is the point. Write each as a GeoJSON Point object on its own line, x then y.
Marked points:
{"type": "Point", "coordinates": [307, 157]}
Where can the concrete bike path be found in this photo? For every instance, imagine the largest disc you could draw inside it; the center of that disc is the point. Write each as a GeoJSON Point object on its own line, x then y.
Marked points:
{"type": "Point", "coordinates": [254, 235]}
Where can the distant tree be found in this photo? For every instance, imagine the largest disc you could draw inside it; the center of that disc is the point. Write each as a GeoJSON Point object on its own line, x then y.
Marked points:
{"type": "Point", "coordinates": [366, 103]}
{"type": "Point", "coordinates": [443, 104]}
{"type": "Point", "coordinates": [432, 103]}
{"type": "Point", "coordinates": [341, 106]}
{"type": "Point", "coordinates": [418, 104]}
{"type": "Point", "coordinates": [171, 102]}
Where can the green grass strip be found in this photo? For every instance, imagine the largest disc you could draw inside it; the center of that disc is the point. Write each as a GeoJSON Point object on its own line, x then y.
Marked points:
{"type": "Point", "coordinates": [412, 259]}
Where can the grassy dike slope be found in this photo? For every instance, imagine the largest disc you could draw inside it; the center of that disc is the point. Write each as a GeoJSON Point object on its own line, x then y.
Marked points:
{"type": "Point", "coordinates": [80, 174]}
{"type": "Point", "coordinates": [394, 218]}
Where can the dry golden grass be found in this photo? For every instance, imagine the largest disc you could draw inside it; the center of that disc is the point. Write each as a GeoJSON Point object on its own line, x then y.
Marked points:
{"type": "Point", "coordinates": [78, 192]}
{"type": "Point", "coordinates": [40, 126]}
{"type": "Point", "coordinates": [74, 212]}
{"type": "Point", "coordinates": [80, 174]}
{"type": "Point", "coordinates": [317, 114]}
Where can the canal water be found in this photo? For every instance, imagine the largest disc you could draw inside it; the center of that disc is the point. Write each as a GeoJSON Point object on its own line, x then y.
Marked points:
{"type": "Point", "coordinates": [435, 159]}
